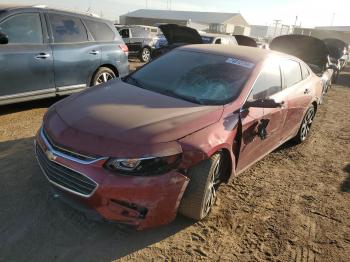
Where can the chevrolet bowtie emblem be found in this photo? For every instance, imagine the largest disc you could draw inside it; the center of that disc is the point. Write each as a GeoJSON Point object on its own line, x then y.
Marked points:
{"type": "Point", "coordinates": [50, 155]}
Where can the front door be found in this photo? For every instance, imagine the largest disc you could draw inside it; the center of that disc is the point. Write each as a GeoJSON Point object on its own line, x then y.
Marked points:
{"type": "Point", "coordinates": [26, 63]}
{"type": "Point", "coordinates": [262, 127]}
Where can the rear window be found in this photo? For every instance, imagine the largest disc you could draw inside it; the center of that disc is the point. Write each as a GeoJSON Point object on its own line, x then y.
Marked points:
{"type": "Point", "coordinates": [100, 31]}
{"type": "Point", "coordinates": [291, 71]}
{"type": "Point", "coordinates": [67, 29]}
{"type": "Point", "coordinates": [200, 78]}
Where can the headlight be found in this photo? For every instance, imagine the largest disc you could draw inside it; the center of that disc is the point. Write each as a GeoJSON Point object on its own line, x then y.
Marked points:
{"type": "Point", "coordinates": [143, 166]}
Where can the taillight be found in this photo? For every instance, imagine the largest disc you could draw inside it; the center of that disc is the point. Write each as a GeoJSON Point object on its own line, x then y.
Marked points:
{"type": "Point", "coordinates": [125, 49]}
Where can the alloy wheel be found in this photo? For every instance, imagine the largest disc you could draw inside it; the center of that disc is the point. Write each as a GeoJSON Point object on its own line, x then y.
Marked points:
{"type": "Point", "coordinates": [146, 55]}
{"type": "Point", "coordinates": [103, 78]}
{"type": "Point", "coordinates": [306, 125]}
{"type": "Point", "coordinates": [212, 188]}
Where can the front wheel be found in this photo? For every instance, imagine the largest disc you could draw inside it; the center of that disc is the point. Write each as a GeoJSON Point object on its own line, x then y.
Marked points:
{"type": "Point", "coordinates": [305, 127]}
{"type": "Point", "coordinates": [103, 75]}
{"type": "Point", "coordinates": [200, 194]}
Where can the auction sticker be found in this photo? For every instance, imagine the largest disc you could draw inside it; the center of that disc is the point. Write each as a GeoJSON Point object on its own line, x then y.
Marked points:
{"type": "Point", "coordinates": [236, 61]}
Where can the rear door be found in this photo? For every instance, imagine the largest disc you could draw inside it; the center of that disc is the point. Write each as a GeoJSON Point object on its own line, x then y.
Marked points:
{"type": "Point", "coordinates": [26, 64]}
{"type": "Point", "coordinates": [262, 127]}
{"type": "Point", "coordinates": [76, 55]}
{"type": "Point", "coordinates": [299, 90]}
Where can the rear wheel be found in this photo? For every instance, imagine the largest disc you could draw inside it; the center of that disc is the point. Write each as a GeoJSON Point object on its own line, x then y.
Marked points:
{"type": "Point", "coordinates": [103, 75]}
{"type": "Point", "coordinates": [305, 127]}
{"type": "Point", "coordinates": [145, 55]}
{"type": "Point", "coordinates": [200, 195]}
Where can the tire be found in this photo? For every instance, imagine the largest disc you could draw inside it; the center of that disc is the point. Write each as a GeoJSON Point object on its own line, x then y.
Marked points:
{"type": "Point", "coordinates": [102, 75]}
{"type": "Point", "coordinates": [335, 77]}
{"type": "Point", "coordinates": [200, 194]}
{"type": "Point", "coordinates": [145, 55]}
{"type": "Point", "coordinates": [305, 126]}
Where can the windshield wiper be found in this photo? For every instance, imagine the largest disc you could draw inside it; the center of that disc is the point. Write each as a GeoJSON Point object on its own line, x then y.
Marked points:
{"type": "Point", "coordinates": [191, 99]}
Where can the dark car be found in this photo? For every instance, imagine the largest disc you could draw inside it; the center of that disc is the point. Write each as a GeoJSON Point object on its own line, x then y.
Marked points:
{"type": "Point", "coordinates": [176, 36]}
{"type": "Point", "coordinates": [46, 52]}
{"type": "Point", "coordinates": [312, 51]}
{"type": "Point", "coordinates": [246, 40]}
{"type": "Point", "coordinates": [164, 138]}
{"type": "Point", "coordinates": [141, 41]}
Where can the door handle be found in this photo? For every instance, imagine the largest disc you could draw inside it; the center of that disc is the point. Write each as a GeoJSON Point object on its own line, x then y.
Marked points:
{"type": "Point", "coordinates": [42, 56]}
{"type": "Point", "coordinates": [307, 91]}
{"type": "Point", "coordinates": [94, 52]}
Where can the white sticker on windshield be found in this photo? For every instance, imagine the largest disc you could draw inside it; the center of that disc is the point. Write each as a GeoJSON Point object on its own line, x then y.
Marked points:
{"type": "Point", "coordinates": [235, 61]}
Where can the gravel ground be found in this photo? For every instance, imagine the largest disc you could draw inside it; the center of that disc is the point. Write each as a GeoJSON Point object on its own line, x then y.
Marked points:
{"type": "Point", "coordinates": [291, 206]}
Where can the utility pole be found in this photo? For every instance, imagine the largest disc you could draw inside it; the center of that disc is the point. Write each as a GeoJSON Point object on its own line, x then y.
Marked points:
{"type": "Point", "coordinates": [333, 18]}
{"type": "Point", "coordinates": [276, 24]}
{"type": "Point", "coordinates": [168, 4]}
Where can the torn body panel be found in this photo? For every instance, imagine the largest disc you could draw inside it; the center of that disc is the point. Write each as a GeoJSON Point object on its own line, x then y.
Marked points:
{"type": "Point", "coordinates": [143, 202]}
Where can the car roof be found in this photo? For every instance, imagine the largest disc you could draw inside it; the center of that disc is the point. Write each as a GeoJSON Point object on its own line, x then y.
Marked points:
{"type": "Point", "coordinates": [251, 54]}
{"type": "Point", "coordinates": [215, 35]}
{"type": "Point", "coordinates": [9, 7]}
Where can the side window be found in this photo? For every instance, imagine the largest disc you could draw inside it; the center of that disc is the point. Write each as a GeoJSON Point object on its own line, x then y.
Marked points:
{"type": "Point", "coordinates": [23, 29]}
{"type": "Point", "coordinates": [125, 33]}
{"type": "Point", "coordinates": [291, 71]}
{"type": "Point", "coordinates": [139, 32]}
{"type": "Point", "coordinates": [67, 29]}
{"type": "Point", "coordinates": [305, 71]}
{"type": "Point", "coordinates": [100, 31]}
{"type": "Point", "coordinates": [268, 82]}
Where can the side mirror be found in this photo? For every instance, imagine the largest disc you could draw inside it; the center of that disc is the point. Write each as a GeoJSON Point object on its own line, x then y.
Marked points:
{"type": "Point", "coordinates": [4, 40]}
{"type": "Point", "coordinates": [263, 103]}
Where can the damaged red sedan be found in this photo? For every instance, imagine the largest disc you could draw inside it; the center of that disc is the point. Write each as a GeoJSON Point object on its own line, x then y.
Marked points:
{"type": "Point", "coordinates": [160, 141]}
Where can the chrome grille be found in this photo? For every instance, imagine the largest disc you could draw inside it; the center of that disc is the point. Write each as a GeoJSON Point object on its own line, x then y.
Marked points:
{"type": "Point", "coordinates": [66, 151]}
{"type": "Point", "coordinates": [64, 177]}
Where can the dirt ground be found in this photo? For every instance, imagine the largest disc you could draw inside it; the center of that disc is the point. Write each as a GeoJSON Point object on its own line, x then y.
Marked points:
{"type": "Point", "coordinates": [292, 206]}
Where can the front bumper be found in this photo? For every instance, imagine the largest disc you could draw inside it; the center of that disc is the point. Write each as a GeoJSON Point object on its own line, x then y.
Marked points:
{"type": "Point", "coordinates": [143, 202]}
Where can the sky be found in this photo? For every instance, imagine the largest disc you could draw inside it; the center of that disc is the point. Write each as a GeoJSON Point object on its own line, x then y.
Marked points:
{"type": "Point", "coordinates": [310, 13]}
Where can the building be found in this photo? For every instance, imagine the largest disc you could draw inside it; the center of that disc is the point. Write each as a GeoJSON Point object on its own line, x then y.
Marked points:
{"type": "Point", "coordinates": [269, 32]}
{"type": "Point", "coordinates": [334, 28]}
{"type": "Point", "coordinates": [225, 23]}
{"type": "Point", "coordinates": [324, 33]}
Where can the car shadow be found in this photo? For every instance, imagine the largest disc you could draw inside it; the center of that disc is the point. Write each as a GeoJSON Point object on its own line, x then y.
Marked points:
{"type": "Point", "coordinates": [45, 229]}
{"type": "Point", "coordinates": [345, 186]}
{"type": "Point", "coordinates": [18, 107]}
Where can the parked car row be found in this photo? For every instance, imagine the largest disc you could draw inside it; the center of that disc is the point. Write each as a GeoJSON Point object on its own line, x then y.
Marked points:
{"type": "Point", "coordinates": [46, 52]}
{"type": "Point", "coordinates": [144, 44]}
{"type": "Point", "coordinates": [144, 146]}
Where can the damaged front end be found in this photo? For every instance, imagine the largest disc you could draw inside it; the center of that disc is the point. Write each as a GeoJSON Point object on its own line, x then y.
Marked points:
{"type": "Point", "coordinates": [142, 200]}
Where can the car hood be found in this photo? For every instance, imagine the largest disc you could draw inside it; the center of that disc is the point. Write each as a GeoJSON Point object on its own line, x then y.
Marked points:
{"type": "Point", "coordinates": [336, 47]}
{"type": "Point", "coordinates": [245, 40]}
{"type": "Point", "coordinates": [175, 34]}
{"type": "Point", "coordinates": [309, 49]}
{"type": "Point", "coordinates": [119, 114]}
